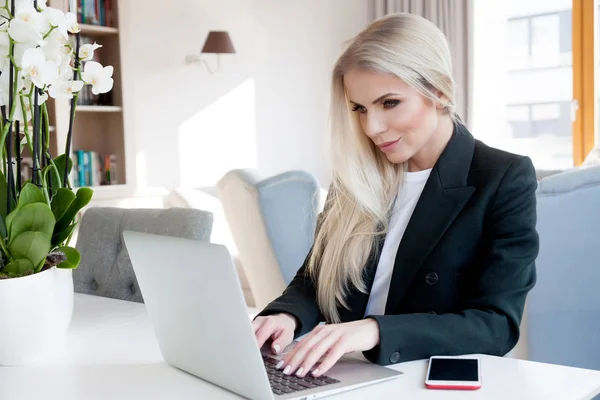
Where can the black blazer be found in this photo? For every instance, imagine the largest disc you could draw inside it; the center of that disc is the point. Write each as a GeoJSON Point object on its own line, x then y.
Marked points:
{"type": "Point", "coordinates": [463, 268]}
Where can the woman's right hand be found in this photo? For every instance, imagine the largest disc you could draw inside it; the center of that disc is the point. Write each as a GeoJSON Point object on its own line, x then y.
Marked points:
{"type": "Point", "coordinates": [278, 327]}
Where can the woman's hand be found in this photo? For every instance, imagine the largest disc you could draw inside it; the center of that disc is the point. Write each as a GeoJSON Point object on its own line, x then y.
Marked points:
{"type": "Point", "coordinates": [278, 327]}
{"type": "Point", "coordinates": [331, 341]}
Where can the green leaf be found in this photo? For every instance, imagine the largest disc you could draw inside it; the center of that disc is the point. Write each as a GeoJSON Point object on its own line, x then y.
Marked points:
{"type": "Point", "coordinates": [61, 202]}
{"type": "Point", "coordinates": [3, 195]}
{"type": "Point", "coordinates": [10, 217]}
{"type": "Point", "coordinates": [59, 238]}
{"type": "Point", "coordinates": [35, 217]}
{"type": "Point", "coordinates": [53, 182]}
{"type": "Point", "coordinates": [34, 246]}
{"type": "Point", "coordinates": [73, 258]}
{"type": "Point", "coordinates": [30, 194]}
{"type": "Point", "coordinates": [83, 197]}
{"type": "Point", "coordinates": [3, 232]}
{"type": "Point", "coordinates": [57, 181]}
{"type": "Point", "coordinates": [18, 267]}
{"type": "Point", "coordinates": [60, 164]}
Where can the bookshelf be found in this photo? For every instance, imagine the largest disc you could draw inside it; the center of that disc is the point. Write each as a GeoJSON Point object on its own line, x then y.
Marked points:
{"type": "Point", "coordinates": [98, 30]}
{"type": "Point", "coordinates": [99, 127]}
{"type": "Point", "coordinates": [84, 108]}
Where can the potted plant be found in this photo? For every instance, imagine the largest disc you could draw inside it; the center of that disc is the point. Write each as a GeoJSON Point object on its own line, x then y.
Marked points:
{"type": "Point", "coordinates": [38, 216]}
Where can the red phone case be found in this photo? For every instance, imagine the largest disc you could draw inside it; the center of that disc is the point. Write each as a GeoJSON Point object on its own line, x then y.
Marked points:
{"type": "Point", "coordinates": [452, 387]}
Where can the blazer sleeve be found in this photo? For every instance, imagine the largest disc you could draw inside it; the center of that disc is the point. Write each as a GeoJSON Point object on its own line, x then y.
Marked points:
{"type": "Point", "coordinates": [490, 321]}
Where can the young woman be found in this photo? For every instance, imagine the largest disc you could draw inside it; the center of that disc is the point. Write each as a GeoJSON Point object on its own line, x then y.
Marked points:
{"type": "Point", "coordinates": [427, 242]}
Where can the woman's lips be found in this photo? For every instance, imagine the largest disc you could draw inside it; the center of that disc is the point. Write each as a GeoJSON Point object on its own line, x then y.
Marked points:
{"type": "Point", "coordinates": [388, 146]}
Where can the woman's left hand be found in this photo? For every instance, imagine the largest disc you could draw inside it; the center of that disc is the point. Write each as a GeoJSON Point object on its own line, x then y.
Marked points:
{"type": "Point", "coordinates": [331, 341]}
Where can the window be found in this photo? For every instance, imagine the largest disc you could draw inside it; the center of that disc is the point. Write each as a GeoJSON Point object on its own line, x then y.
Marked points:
{"type": "Point", "coordinates": [518, 43]}
{"type": "Point", "coordinates": [540, 41]}
{"type": "Point", "coordinates": [531, 89]}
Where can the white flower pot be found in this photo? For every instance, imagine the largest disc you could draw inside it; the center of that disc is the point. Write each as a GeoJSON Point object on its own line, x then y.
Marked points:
{"type": "Point", "coordinates": [35, 313]}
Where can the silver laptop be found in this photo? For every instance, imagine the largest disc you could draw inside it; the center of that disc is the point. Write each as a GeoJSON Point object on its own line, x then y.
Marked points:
{"type": "Point", "coordinates": [198, 312]}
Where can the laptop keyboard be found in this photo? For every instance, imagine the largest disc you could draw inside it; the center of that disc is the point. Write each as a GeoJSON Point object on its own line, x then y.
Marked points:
{"type": "Point", "coordinates": [284, 384]}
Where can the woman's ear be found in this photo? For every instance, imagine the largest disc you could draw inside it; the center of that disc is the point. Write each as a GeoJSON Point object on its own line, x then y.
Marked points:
{"type": "Point", "coordinates": [443, 100]}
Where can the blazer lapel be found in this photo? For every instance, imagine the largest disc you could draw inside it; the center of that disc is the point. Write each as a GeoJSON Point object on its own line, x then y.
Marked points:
{"type": "Point", "coordinates": [444, 196]}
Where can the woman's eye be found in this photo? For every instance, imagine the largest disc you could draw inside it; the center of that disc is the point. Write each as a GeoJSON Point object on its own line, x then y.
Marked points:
{"type": "Point", "coordinates": [360, 109]}
{"type": "Point", "coordinates": [390, 103]}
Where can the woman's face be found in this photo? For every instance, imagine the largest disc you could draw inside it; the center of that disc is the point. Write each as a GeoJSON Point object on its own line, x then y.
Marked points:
{"type": "Point", "coordinates": [397, 118]}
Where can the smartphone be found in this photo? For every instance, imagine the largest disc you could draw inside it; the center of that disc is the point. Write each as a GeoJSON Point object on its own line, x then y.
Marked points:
{"type": "Point", "coordinates": [452, 372]}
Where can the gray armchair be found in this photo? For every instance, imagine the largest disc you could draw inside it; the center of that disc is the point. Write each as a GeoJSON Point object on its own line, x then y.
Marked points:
{"type": "Point", "coordinates": [564, 306]}
{"type": "Point", "coordinates": [105, 268]}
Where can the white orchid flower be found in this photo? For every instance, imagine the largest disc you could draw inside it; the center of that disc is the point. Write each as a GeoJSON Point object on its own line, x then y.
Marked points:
{"type": "Point", "coordinates": [86, 52]}
{"type": "Point", "coordinates": [53, 46]}
{"type": "Point", "coordinates": [58, 19]}
{"type": "Point", "coordinates": [72, 24]}
{"type": "Point", "coordinates": [66, 52]}
{"type": "Point", "coordinates": [35, 66]}
{"type": "Point", "coordinates": [65, 61]}
{"type": "Point", "coordinates": [20, 49]}
{"type": "Point", "coordinates": [23, 31]}
{"type": "Point", "coordinates": [65, 89]}
{"type": "Point", "coordinates": [18, 116]}
{"type": "Point", "coordinates": [25, 84]}
{"type": "Point", "coordinates": [28, 25]}
{"type": "Point", "coordinates": [4, 87]}
{"type": "Point", "coordinates": [4, 18]}
{"type": "Point", "coordinates": [99, 77]}
{"type": "Point", "coordinates": [65, 70]}
{"type": "Point", "coordinates": [4, 48]}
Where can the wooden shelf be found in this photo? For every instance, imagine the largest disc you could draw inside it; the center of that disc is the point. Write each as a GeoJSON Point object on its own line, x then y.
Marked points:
{"type": "Point", "coordinates": [82, 108]}
{"type": "Point", "coordinates": [108, 191]}
{"type": "Point", "coordinates": [98, 30]}
{"type": "Point", "coordinates": [98, 129]}
{"type": "Point", "coordinates": [121, 191]}
{"type": "Point", "coordinates": [108, 188]}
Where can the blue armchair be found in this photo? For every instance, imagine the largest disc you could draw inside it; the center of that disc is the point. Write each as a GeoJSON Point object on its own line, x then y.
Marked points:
{"type": "Point", "coordinates": [272, 221]}
{"type": "Point", "coordinates": [564, 306]}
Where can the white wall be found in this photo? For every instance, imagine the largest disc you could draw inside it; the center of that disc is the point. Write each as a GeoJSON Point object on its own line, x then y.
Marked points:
{"type": "Point", "coordinates": [265, 108]}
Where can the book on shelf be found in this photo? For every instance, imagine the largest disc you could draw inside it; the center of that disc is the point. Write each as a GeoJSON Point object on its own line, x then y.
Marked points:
{"type": "Point", "coordinates": [91, 168]}
{"type": "Point", "coordinates": [91, 12]}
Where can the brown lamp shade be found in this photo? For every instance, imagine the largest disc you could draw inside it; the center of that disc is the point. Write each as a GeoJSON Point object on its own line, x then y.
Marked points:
{"type": "Point", "coordinates": [218, 42]}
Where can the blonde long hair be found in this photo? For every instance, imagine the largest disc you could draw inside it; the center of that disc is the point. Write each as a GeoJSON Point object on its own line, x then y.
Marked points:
{"type": "Point", "coordinates": [365, 183]}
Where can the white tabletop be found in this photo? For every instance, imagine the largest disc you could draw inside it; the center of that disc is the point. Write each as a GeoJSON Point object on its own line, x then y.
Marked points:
{"type": "Point", "coordinates": [112, 353]}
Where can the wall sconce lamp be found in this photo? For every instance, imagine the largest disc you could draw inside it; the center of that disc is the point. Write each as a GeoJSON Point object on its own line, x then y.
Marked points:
{"type": "Point", "coordinates": [217, 42]}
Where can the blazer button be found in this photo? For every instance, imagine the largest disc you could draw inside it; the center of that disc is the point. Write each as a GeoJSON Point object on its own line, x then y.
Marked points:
{"type": "Point", "coordinates": [431, 278]}
{"type": "Point", "coordinates": [395, 357]}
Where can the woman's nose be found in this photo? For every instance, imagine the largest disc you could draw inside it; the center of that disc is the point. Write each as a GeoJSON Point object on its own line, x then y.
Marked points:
{"type": "Point", "coordinates": [373, 126]}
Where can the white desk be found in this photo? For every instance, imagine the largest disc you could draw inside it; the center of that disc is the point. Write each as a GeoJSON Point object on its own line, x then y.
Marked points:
{"type": "Point", "coordinates": [111, 353]}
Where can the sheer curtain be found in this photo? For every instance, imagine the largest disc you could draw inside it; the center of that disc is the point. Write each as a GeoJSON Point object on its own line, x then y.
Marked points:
{"type": "Point", "coordinates": [454, 18]}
